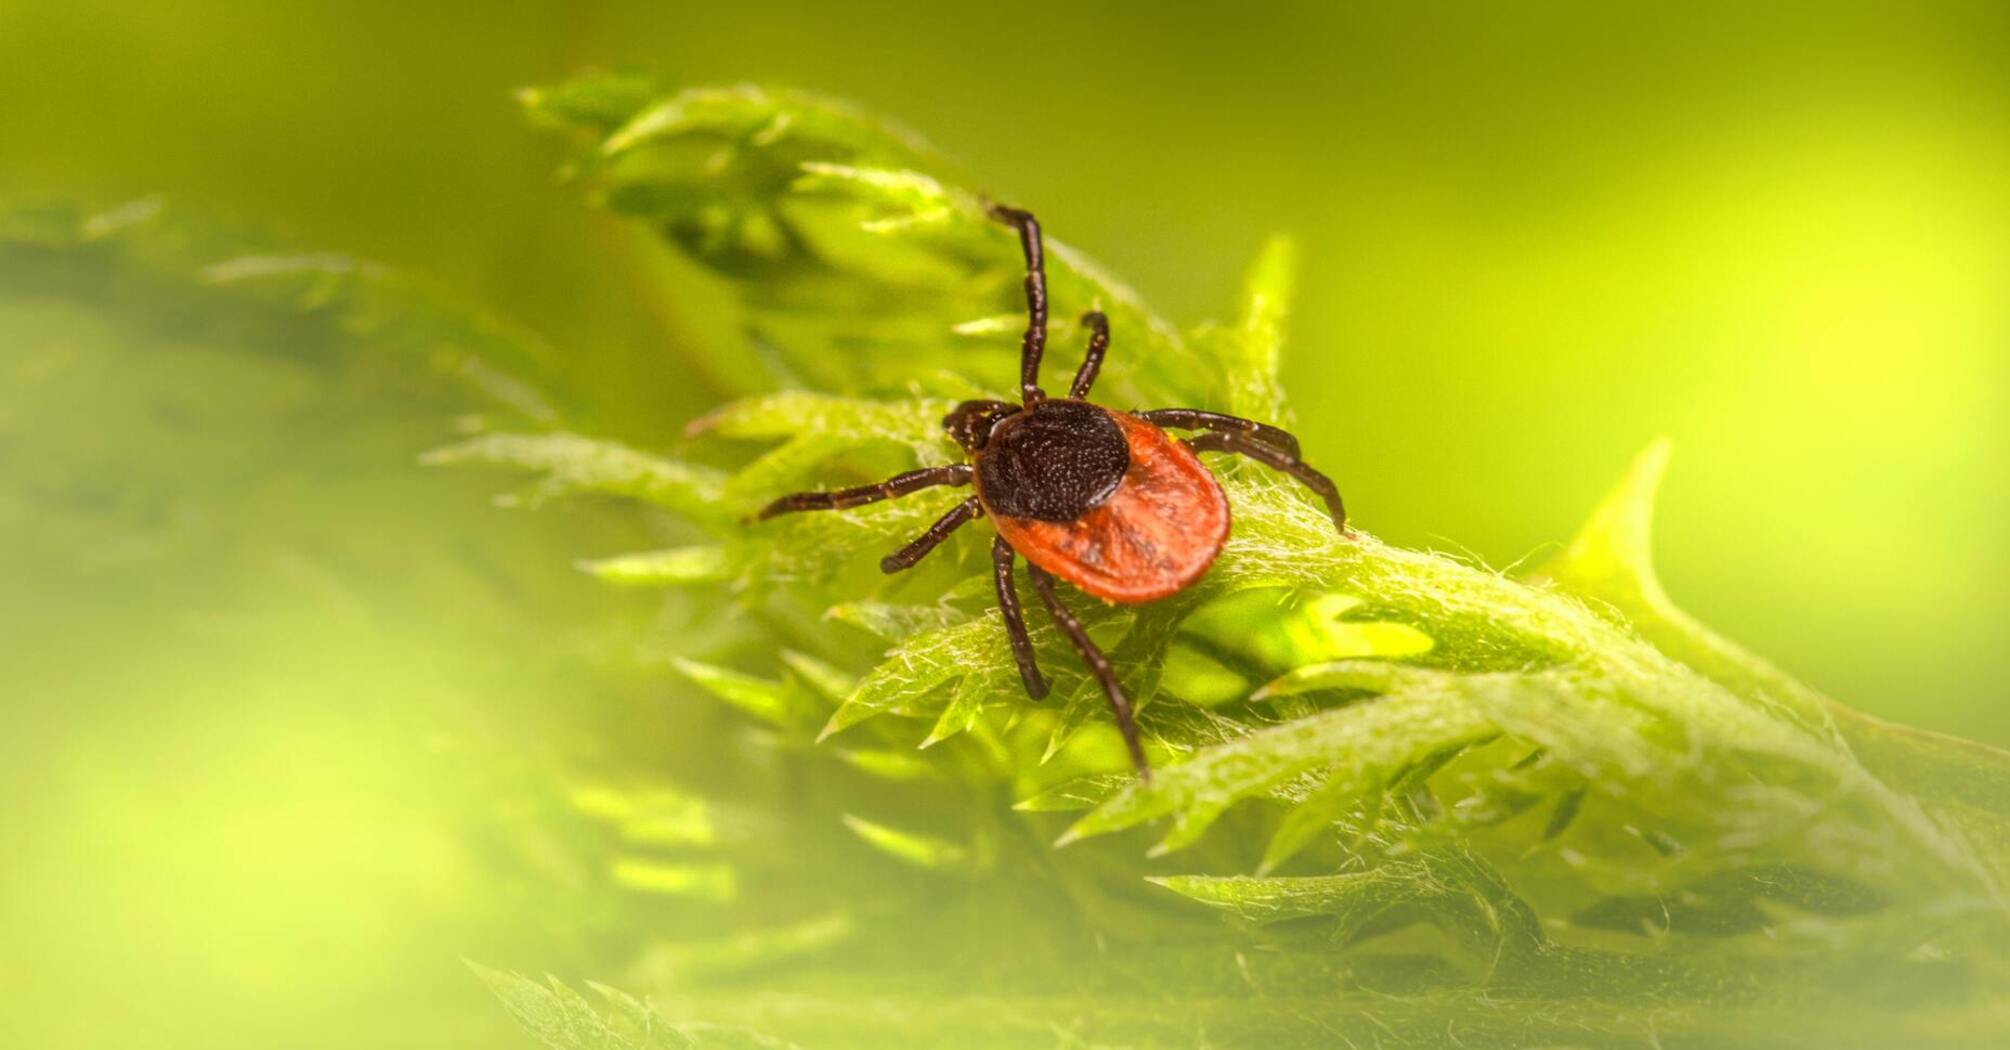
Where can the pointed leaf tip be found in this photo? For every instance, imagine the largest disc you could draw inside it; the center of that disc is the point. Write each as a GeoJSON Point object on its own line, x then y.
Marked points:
{"type": "Point", "coordinates": [770, 701]}
{"type": "Point", "coordinates": [1612, 554]}
{"type": "Point", "coordinates": [1258, 341]}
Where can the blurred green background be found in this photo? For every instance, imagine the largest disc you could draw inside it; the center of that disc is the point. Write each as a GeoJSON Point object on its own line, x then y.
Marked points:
{"type": "Point", "coordinates": [1534, 240]}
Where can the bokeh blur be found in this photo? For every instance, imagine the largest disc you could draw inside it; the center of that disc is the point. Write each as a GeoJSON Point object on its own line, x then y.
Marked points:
{"type": "Point", "coordinates": [1535, 238]}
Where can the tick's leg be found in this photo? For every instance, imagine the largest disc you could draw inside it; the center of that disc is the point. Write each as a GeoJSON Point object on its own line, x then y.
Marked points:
{"type": "Point", "coordinates": [905, 557]}
{"type": "Point", "coordinates": [1015, 620]}
{"type": "Point", "coordinates": [892, 488]}
{"type": "Point", "coordinates": [1092, 361]}
{"type": "Point", "coordinates": [1035, 343]}
{"type": "Point", "coordinates": [1276, 458]}
{"type": "Point", "coordinates": [1099, 665]}
{"type": "Point", "coordinates": [1195, 419]}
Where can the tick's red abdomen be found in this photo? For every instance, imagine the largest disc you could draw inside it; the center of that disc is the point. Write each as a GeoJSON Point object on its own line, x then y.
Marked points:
{"type": "Point", "coordinates": [1156, 534]}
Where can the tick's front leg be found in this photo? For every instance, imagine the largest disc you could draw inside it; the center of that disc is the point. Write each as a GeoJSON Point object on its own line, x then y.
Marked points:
{"type": "Point", "coordinates": [1035, 343]}
{"type": "Point", "coordinates": [892, 488]}
{"type": "Point", "coordinates": [905, 557]}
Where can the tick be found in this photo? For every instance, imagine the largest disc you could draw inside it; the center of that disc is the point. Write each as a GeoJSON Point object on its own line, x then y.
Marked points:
{"type": "Point", "coordinates": [1106, 500]}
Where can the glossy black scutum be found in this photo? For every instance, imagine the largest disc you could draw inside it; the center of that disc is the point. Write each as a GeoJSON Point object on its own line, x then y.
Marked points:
{"type": "Point", "coordinates": [1053, 462]}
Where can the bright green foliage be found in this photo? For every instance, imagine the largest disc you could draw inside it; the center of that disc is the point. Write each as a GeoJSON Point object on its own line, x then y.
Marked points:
{"type": "Point", "coordinates": [667, 567]}
{"type": "Point", "coordinates": [1427, 797]}
{"type": "Point", "coordinates": [569, 463]}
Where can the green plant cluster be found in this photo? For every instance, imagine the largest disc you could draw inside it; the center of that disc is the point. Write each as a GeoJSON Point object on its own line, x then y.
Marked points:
{"type": "Point", "coordinates": [1422, 797]}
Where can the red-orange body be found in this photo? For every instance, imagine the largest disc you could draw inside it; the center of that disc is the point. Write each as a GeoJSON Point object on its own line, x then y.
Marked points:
{"type": "Point", "coordinates": [1154, 535]}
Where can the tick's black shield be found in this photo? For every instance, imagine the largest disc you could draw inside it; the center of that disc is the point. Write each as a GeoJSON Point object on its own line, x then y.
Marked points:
{"type": "Point", "coordinates": [1055, 462]}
